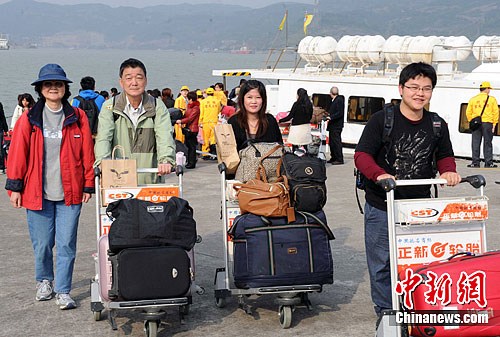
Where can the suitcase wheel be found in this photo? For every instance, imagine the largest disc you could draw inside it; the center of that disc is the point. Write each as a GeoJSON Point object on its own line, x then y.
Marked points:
{"type": "Point", "coordinates": [285, 313]}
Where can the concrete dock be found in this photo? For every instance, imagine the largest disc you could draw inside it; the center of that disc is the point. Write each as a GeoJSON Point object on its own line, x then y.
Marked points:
{"type": "Point", "coordinates": [342, 309]}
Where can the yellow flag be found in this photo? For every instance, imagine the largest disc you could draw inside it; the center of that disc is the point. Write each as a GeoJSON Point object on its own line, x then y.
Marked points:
{"type": "Point", "coordinates": [282, 24]}
{"type": "Point", "coordinates": [307, 20]}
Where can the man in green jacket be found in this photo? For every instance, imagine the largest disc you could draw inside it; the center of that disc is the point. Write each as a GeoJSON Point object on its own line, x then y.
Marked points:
{"type": "Point", "coordinates": [138, 122]}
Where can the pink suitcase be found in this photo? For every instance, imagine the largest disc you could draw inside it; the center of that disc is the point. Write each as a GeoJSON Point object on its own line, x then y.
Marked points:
{"type": "Point", "coordinates": [105, 269]}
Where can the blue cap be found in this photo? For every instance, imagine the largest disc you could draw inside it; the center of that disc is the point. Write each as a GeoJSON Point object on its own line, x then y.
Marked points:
{"type": "Point", "coordinates": [51, 72]}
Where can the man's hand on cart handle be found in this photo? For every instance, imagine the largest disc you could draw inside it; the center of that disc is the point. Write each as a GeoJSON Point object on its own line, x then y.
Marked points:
{"type": "Point", "coordinates": [165, 168]}
{"type": "Point", "coordinates": [452, 178]}
{"type": "Point", "coordinates": [385, 176]}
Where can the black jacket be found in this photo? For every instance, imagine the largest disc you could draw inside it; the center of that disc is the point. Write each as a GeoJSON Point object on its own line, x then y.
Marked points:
{"type": "Point", "coordinates": [3, 122]}
{"type": "Point", "coordinates": [299, 114]}
{"type": "Point", "coordinates": [336, 113]}
{"type": "Point", "coordinates": [273, 133]}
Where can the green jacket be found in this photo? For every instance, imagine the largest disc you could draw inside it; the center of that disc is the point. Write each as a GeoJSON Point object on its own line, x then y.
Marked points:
{"type": "Point", "coordinates": [150, 143]}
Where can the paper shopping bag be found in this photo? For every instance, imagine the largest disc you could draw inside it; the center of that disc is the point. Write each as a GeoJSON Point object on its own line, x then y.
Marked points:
{"type": "Point", "coordinates": [118, 172]}
{"type": "Point", "coordinates": [227, 152]}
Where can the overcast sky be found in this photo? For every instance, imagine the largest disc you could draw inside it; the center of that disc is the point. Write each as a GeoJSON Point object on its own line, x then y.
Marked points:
{"type": "Point", "coordinates": [145, 3]}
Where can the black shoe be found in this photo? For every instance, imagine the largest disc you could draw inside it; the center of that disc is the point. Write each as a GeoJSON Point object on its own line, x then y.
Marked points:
{"type": "Point", "coordinates": [491, 165]}
{"type": "Point", "coordinates": [474, 165]}
{"type": "Point", "coordinates": [330, 161]}
{"type": "Point", "coordinates": [190, 166]}
{"type": "Point", "coordinates": [337, 163]}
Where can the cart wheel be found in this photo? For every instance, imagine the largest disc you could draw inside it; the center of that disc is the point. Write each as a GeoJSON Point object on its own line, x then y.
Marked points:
{"type": "Point", "coordinates": [184, 310]}
{"type": "Point", "coordinates": [285, 316]}
{"type": "Point", "coordinates": [200, 290]}
{"type": "Point", "coordinates": [220, 302]}
{"type": "Point", "coordinates": [97, 315]}
{"type": "Point", "coordinates": [151, 328]}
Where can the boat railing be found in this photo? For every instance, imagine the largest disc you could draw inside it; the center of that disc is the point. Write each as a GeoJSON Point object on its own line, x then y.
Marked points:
{"type": "Point", "coordinates": [282, 56]}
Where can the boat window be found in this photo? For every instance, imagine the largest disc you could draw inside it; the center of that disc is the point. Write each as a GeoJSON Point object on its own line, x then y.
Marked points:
{"type": "Point", "coordinates": [322, 100]}
{"type": "Point", "coordinates": [361, 108]}
{"type": "Point", "coordinates": [463, 126]}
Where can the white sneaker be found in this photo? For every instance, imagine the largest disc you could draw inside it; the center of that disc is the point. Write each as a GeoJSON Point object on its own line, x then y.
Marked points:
{"type": "Point", "coordinates": [43, 290]}
{"type": "Point", "coordinates": [64, 301]}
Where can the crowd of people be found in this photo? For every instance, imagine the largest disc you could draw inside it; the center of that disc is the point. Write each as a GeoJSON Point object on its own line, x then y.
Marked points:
{"type": "Point", "coordinates": [56, 145]}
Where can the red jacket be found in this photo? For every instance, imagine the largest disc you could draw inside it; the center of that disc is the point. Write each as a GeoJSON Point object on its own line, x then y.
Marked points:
{"type": "Point", "coordinates": [25, 160]}
{"type": "Point", "coordinates": [192, 116]}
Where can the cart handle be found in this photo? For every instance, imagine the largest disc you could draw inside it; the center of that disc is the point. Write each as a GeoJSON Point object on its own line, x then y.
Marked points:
{"type": "Point", "coordinates": [179, 169]}
{"type": "Point", "coordinates": [476, 181]}
{"type": "Point", "coordinates": [389, 184]}
{"type": "Point", "coordinates": [221, 167]}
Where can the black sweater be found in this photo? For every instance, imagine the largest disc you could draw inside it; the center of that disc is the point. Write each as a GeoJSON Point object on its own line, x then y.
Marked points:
{"type": "Point", "coordinates": [273, 133]}
{"type": "Point", "coordinates": [299, 114]}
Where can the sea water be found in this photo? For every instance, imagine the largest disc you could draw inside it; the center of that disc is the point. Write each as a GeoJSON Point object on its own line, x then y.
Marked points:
{"type": "Point", "coordinates": [19, 68]}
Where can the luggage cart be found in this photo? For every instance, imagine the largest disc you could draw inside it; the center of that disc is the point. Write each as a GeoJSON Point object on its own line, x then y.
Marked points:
{"type": "Point", "coordinates": [151, 310]}
{"type": "Point", "coordinates": [462, 220]}
{"type": "Point", "coordinates": [287, 297]}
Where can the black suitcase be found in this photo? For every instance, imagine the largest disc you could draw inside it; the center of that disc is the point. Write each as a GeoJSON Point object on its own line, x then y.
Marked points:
{"type": "Point", "coordinates": [150, 273]}
{"type": "Point", "coordinates": [273, 252]}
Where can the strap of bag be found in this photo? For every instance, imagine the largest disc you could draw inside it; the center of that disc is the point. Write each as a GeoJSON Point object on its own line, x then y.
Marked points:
{"type": "Point", "coordinates": [327, 229]}
{"type": "Point", "coordinates": [117, 147]}
{"type": "Point", "coordinates": [485, 104]}
{"type": "Point", "coordinates": [261, 171]}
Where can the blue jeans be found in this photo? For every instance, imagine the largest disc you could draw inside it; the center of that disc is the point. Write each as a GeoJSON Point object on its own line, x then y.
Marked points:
{"type": "Point", "coordinates": [377, 256]}
{"type": "Point", "coordinates": [55, 224]}
{"type": "Point", "coordinates": [485, 131]}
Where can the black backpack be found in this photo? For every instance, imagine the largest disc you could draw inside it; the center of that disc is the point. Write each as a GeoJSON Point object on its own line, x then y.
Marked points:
{"type": "Point", "coordinates": [91, 110]}
{"type": "Point", "coordinates": [306, 176]}
{"type": "Point", "coordinates": [360, 179]}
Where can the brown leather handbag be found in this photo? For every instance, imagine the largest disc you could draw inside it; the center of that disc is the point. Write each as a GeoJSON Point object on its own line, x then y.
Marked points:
{"type": "Point", "coordinates": [260, 197]}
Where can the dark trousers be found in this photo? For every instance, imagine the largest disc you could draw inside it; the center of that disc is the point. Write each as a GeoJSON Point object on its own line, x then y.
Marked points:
{"type": "Point", "coordinates": [485, 131]}
{"type": "Point", "coordinates": [191, 144]}
{"type": "Point", "coordinates": [335, 142]}
{"type": "Point", "coordinates": [2, 153]}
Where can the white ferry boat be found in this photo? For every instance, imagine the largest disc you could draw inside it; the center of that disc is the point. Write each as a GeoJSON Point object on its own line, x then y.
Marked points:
{"type": "Point", "coordinates": [366, 71]}
{"type": "Point", "coordinates": [4, 42]}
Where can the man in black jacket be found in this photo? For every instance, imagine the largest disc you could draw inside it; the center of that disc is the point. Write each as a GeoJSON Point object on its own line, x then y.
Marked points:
{"type": "Point", "coordinates": [335, 126]}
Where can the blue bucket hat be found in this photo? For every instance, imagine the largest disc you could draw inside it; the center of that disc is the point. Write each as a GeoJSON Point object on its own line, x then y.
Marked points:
{"type": "Point", "coordinates": [51, 72]}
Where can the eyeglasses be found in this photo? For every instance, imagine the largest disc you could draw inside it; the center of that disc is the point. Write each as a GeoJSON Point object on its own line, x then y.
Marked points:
{"type": "Point", "coordinates": [415, 89]}
{"type": "Point", "coordinates": [50, 84]}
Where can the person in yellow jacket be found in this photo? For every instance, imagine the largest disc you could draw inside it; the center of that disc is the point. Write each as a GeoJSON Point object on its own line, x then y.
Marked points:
{"type": "Point", "coordinates": [181, 103]}
{"type": "Point", "coordinates": [489, 120]}
{"type": "Point", "coordinates": [209, 114]}
{"type": "Point", "coordinates": [219, 93]}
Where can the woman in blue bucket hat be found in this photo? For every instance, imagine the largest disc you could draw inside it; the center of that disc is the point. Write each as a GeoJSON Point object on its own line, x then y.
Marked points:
{"type": "Point", "coordinates": [50, 174]}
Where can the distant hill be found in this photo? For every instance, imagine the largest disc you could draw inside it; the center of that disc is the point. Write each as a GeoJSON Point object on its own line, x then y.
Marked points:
{"type": "Point", "coordinates": [227, 27]}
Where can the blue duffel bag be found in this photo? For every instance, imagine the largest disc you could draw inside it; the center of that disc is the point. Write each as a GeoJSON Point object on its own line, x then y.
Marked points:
{"type": "Point", "coordinates": [272, 252]}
